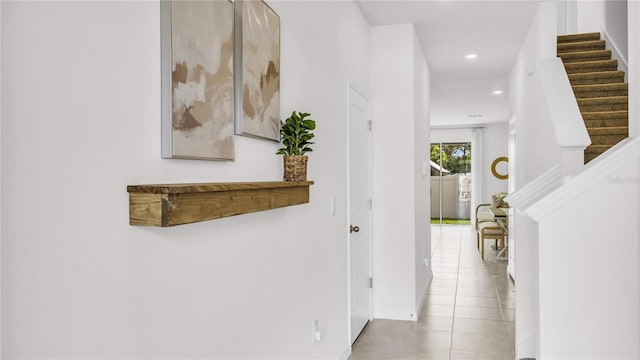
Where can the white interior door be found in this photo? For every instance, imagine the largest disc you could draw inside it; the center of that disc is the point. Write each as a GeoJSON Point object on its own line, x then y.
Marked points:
{"type": "Point", "coordinates": [359, 212]}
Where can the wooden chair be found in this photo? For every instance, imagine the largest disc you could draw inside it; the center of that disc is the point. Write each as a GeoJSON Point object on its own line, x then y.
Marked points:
{"type": "Point", "coordinates": [488, 228]}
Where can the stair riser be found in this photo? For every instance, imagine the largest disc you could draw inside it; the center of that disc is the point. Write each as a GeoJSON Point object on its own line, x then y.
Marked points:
{"type": "Point", "coordinates": [597, 149]}
{"type": "Point", "coordinates": [582, 94]}
{"type": "Point", "coordinates": [607, 139]}
{"type": "Point", "coordinates": [580, 46]}
{"type": "Point", "coordinates": [606, 123]}
{"type": "Point", "coordinates": [596, 80]}
{"type": "Point", "coordinates": [580, 68]}
{"type": "Point", "coordinates": [604, 131]}
{"type": "Point", "coordinates": [602, 107]}
{"type": "Point", "coordinates": [578, 37]}
{"type": "Point", "coordinates": [589, 157]}
{"type": "Point", "coordinates": [572, 60]}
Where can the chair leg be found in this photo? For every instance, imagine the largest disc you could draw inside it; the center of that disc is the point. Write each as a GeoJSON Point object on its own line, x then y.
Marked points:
{"type": "Point", "coordinates": [482, 249]}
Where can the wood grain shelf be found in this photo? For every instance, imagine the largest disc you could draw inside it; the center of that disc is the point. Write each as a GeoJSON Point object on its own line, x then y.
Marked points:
{"type": "Point", "coordinates": [177, 204]}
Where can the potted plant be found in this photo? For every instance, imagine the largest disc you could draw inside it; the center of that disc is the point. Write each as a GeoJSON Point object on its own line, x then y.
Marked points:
{"type": "Point", "coordinates": [296, 135]}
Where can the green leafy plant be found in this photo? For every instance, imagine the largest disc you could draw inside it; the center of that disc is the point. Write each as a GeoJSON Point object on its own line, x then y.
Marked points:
{"type": "Point", "coordinates": [295, 132]}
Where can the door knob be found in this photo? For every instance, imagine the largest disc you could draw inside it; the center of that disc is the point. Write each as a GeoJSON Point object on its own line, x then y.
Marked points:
{"type": "Point", "coordinates": [353, 229]}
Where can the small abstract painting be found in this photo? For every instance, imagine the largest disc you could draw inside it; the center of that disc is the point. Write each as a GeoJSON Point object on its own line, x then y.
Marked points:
{"type": "Point", "coordinates": [197, 79]}
{"type": "Point", "coordinates": [258, 55]}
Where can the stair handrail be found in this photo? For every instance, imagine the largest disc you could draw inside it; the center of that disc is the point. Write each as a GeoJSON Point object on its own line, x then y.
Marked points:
{"type": "Point", "coordinates": [536, 189]}
{"type": "Point", "coordinates": [570, 130]}
{"type": "Point", "coordinates": [610, 44]}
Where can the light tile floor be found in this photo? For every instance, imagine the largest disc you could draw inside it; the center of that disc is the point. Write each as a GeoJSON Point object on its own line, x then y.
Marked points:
{"type": "Point", "coordinates": [468, 312]}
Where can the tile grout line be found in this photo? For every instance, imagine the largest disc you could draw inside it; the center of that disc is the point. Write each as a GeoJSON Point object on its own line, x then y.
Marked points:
{"type": "Point", "coordinates": [504, 322]}
{"type": "Point", "coordinates": [433, 251]}
{"type": "Point", "coordinates": [455, 296]}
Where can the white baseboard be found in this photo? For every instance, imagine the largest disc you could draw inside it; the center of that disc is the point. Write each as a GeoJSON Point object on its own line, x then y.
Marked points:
{"type": "Point", "coordinates": [396, 315]}
{"type": "Point", "coordinates": [615, 53]}
{"type": "Point", "coordinates": [345, 355]}
{"type": "Point", "coordinates": [526, 348]}
{"type": "Point", "coordinates": [423, 293]}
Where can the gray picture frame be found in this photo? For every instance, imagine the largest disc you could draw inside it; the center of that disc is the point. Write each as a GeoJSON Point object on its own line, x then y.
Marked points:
{"type": "Point", "coordinates": [197, 79]}
{"type": "Point", "coordinates": [257, 70]}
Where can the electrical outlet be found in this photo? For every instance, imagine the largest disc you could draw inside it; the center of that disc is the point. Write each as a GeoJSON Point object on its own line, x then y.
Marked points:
{"type": "Point", "coordinates": [426, 262]}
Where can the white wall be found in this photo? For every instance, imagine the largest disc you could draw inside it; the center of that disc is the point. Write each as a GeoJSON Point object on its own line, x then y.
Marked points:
{"type": "Point", "coordinates": [605, 15]}
{"type": "Point", "coordinates": [81, 120]}
{"type": "Point", "coordinates": [0, 182]}
{"type": "Point", "coordinates": [496, 144]}
{"type": "Point", "coordinates": [633, 76]}
{"type": "Point", "coordinates": [634, 91]}
{"type": "Point", "coordinates": [422, 185]}
{"type": "Point", "coordinates": [397, 70]}
{"type": "Point", "coordinates": [535, 154]}
{"type": "Point", "coordinates": [451, 135]}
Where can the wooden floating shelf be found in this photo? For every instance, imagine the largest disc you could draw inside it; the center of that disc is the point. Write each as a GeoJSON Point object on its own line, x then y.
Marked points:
{"type": "Point", "coordinates": [178, 204]}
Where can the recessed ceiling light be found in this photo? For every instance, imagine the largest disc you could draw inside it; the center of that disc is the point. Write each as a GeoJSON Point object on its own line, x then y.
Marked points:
{"type": "Point", "coordinates": [497, 92]}
{"type": "Point", "coordinates": [475, 115]}
{"type": "Point", "coordinates": [471, 56]}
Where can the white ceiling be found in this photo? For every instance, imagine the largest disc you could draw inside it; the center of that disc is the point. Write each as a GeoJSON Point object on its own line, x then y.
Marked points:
{"type": "Point", "coordinates": [449, 29]}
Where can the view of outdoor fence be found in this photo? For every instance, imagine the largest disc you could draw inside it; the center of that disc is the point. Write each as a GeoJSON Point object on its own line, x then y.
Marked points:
{"type": "Point", "coordinates": [456, 196]}
{"type": "Point", "coordinates": [450, 182]}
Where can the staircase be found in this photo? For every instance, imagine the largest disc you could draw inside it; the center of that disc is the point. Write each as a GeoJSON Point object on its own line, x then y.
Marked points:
{"type": "Point", "coordinates": [600, 90]}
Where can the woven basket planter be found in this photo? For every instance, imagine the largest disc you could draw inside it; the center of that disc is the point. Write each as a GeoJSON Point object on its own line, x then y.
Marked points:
{"type": "Point", "coordinates": [295, 168]}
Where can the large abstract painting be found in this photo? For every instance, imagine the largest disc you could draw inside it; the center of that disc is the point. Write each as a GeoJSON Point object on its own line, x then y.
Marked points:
{"type": "Point", "coordinates": [258, 70]}
{"type": "Point", "coordinates": [197, 79]}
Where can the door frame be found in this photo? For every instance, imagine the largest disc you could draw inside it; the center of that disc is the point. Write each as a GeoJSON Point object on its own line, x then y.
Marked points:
{"type": "Point", "coordinates": [352, 86]}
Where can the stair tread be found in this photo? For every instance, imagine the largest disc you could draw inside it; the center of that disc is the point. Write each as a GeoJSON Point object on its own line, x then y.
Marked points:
{"type": "Point", "coordinates": [579, 56]}
{"type": "Point", "coordinates": [592, 63]}
{"type": "Point", "coordinates": [599, 146]}
{"type": "Point", "coordinates": [608, 130]}
{"type": "Point", "coordinates": [597, 149]}
{"type": "Point", "coordinates": [597, 90]}
{"type": "Point", "coordinates": [595, 87]}
{"type": "Point", "coordinates": [605, 100]}
{"type": "Point", "coordinates": [601, 74]}
{"type": "Point", "coordinates": [591, 66]}
{"type": "Point", "coordinates": [588, 44]}
{"type": "Point", "coordinates": [606, 114]}
{"type": "Point", "coordinates": [581, 42]}
{"type": "Point", "coordinates": [585, 53]}
{"type": "Point", "coordinates": [575, 37]}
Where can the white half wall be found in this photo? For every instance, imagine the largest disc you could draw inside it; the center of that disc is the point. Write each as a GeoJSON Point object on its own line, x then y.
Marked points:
{"type": "Point", "coordinates": [588, 295]}
{"type": "Point", "coordinates": [81, 120]}
{"type": "Point", "coordinates": [399, 237]}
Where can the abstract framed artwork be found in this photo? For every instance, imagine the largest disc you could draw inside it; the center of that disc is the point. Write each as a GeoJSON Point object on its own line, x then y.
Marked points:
{"type": "Point", "coordinates": [197, 45]}
{"type": "Point", "coordinates": [257, 80]}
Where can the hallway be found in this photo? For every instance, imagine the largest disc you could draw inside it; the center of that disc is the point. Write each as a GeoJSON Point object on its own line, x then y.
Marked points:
{"type": "Point", "coordinates": [468, 313]}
